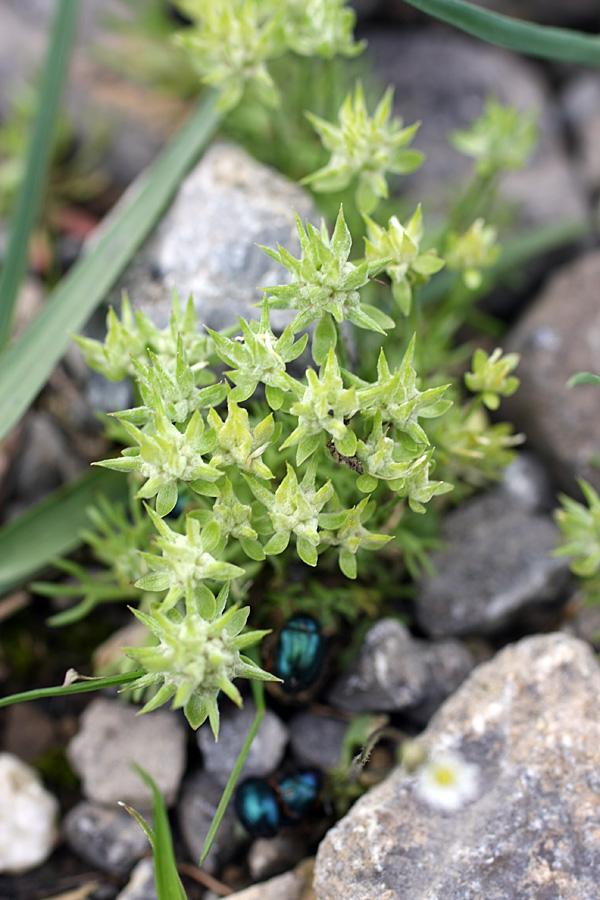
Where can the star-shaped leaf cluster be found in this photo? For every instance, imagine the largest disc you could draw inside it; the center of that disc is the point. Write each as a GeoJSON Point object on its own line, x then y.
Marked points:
{"type": "Point", "coordinates": [196, 656]}
{"type": "Point", "coordinates": [365, 148]}
{"type": "Point", "coordinates": [166, 456]}
{"type": "Point", "coordinates": [396, 396]}
{"type": "Point", "coordinates": [501, 139]}
{"type": "Point", "coordinates": [473, 250]}
{"type": "Point", "coordinates": [186, 561]}
{"type": "Point", "coordinates": [490, 376]}
{"type": "Point", "coordinates": [321, 28]}
{"type": "Point", "coordinates": [173, 390]}
{"type": "Point", "coordinates": [408, 267]}
{"type": "Point", "coordinates": [346, 531]}
{"type": "Point", "coordinates": [324, 282]}
{"type": "Point", "coordinates": [238, 443]}
{"type": "Point", "coordinates": [231, 42]}
{"type": "Point", "coordinates": [324, 406]}
{"type": "Point", "coordinates": [131, 336]}
{"type": "Point", "coordinates": [293, 509]}
{"type": "Point", "coordinates": [259, 357]}
{"type": "Point", "coordinates": [579, 524]}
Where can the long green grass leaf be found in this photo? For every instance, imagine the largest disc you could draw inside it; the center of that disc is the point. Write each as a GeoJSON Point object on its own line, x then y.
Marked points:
{"type": "Point", "coordinates": [525, 37]}
{"type": "Point", "coordinates": [25, 366]}
{"type": "Point", "coordinates": [79, 687]}
{"type": "Point", "coordinates": [38, 159]}
{"type": "Point", "coordinates": [168, 883]}
{"type": "Point", "coordinates": [258, 692]}
{"type": "Point", "coordinates": [583, 378]}
{"type": "Point", "coordinates": [53, 527]}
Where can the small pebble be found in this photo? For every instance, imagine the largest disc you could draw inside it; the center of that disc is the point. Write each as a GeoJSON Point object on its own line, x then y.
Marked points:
{"type": "Point", "coordinates": [106, 837]}
{"type": "Point", "coordinates": [268, 857]}
{"type": "Point", "coordinates": [28, 817]}
{"type": "Point", "coordinates": [317, 740]}
{"type": "Point", "coordinates": [265, 753]}
{"type": "Point", "coordinates": [112, 736]}
{"type": "Point", "coordinates": [141, 885]}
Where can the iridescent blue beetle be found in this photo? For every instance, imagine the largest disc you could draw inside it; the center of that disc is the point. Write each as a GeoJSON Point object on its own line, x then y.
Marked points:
{"type": "Point", "coordinates": [299, 653]}
{"type": "Point", "coordinates": [257, 807]}
{"type": "Point", "coordinates": [264, 806]}
{"type": "Point", "coordinates": [298, 794]}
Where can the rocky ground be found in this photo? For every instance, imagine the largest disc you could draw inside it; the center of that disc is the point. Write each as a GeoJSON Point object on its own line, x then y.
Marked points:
{"type": "Point", "coordinates": [498, 663]}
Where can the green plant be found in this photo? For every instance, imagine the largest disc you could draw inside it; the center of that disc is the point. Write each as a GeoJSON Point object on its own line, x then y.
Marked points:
{"type": "Point", "coordinates": [361, 452]}
{"type": "Point", "coordinates": [231, 44]}
{"type": "Point", "coordinates": [364, 148]}
{"type": "Point", "coordinates": [337, 448]}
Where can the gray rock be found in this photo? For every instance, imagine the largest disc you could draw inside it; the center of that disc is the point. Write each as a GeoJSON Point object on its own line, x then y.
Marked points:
{"type": "Point", "coordinates": [395, 672]}
{"type": "Point", "coordinates": [526, 483]}
{"type": "Point", "coordinates": [109, 839]}
{"type": "Point", "coordinates": [111, 737]}
{"type": "Point", "coordinates": [583, 622]}
{"type": "Point", "coordinates": [21, 49]}
{"type": "Point", "coordinates": [442, 78]}
{"type": "Point", "coordinates": [316, 740]}
{"type": "Point", "coordinates": [293, 885]}
{"type": "Point", "coordinates": [206, 245]}
{"type": "Point", "coordinates": [558, 336]}
{"type": "Point", "coordinates": [200, 796]}
{"type": "Point", "coordinates": [141, 885]}
{"type": "Point", "coordinates": [44, 462]}
{"type": "Point", "coordinates": [580, 99]}
{"type": "Point", "coordinates": [265, 753]}
{"type": "Point", "coordinates": [268, 857]}
{"type": "Point", "coordinates": [530, 720]}
{"type": "Point", "coordinates": [495, 570]}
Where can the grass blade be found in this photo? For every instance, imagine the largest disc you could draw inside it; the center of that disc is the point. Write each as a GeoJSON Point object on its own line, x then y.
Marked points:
{"type": "Point", "coordinates": [168, 883]}
{"type": "Point", "coordinates": [52, 528]}
{"type": "Point", "coordinates": [80, 687]}
{"type": "Point", "coordinates": [26, 365]}
{"type": "Point", "coordinates": [38, 159]}
{"type": "Point", "coordinates": [583, 378]}
{"type": "Point", "coordinates": [525, 37]}
{"type": "Point", "coordinates": [258, 692]}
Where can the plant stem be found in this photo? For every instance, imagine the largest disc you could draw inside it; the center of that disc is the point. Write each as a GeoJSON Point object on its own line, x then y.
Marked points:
{"type": "Point", "coordinates": [38, 160]}
{"type": "Point", "coordinates": [544, 41]}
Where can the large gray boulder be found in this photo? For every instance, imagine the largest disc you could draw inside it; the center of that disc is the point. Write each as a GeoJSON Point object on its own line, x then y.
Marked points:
{"type": "Point", "coordinates": [395, 672]}
{"type": "Point", "coordinates": [495, 571]}
{"type": "Point", "coordinates": [111, 737]}
{"type": "Point", "coordinates": [558, 336]}
{"type": "Point", "coordinates": [530, 720]}
{"type": "Point", "coordinates": [207, 243]}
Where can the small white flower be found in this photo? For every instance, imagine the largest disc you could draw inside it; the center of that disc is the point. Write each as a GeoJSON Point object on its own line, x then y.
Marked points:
{"type": "Point", "coordinates": [446, 781]}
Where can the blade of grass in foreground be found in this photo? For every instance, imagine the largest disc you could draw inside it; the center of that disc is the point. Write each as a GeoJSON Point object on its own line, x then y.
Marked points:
{"type": "Point", "coordinates": [544, 41]}
{"type": "Point", "coordinates": [52, 528]}
{"type": "Point", "coordinates": [39, 154]}
{"type": "Point", "coordinates": [168, 883]}
{"type": "Point", "coordinates": [26, 365]}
